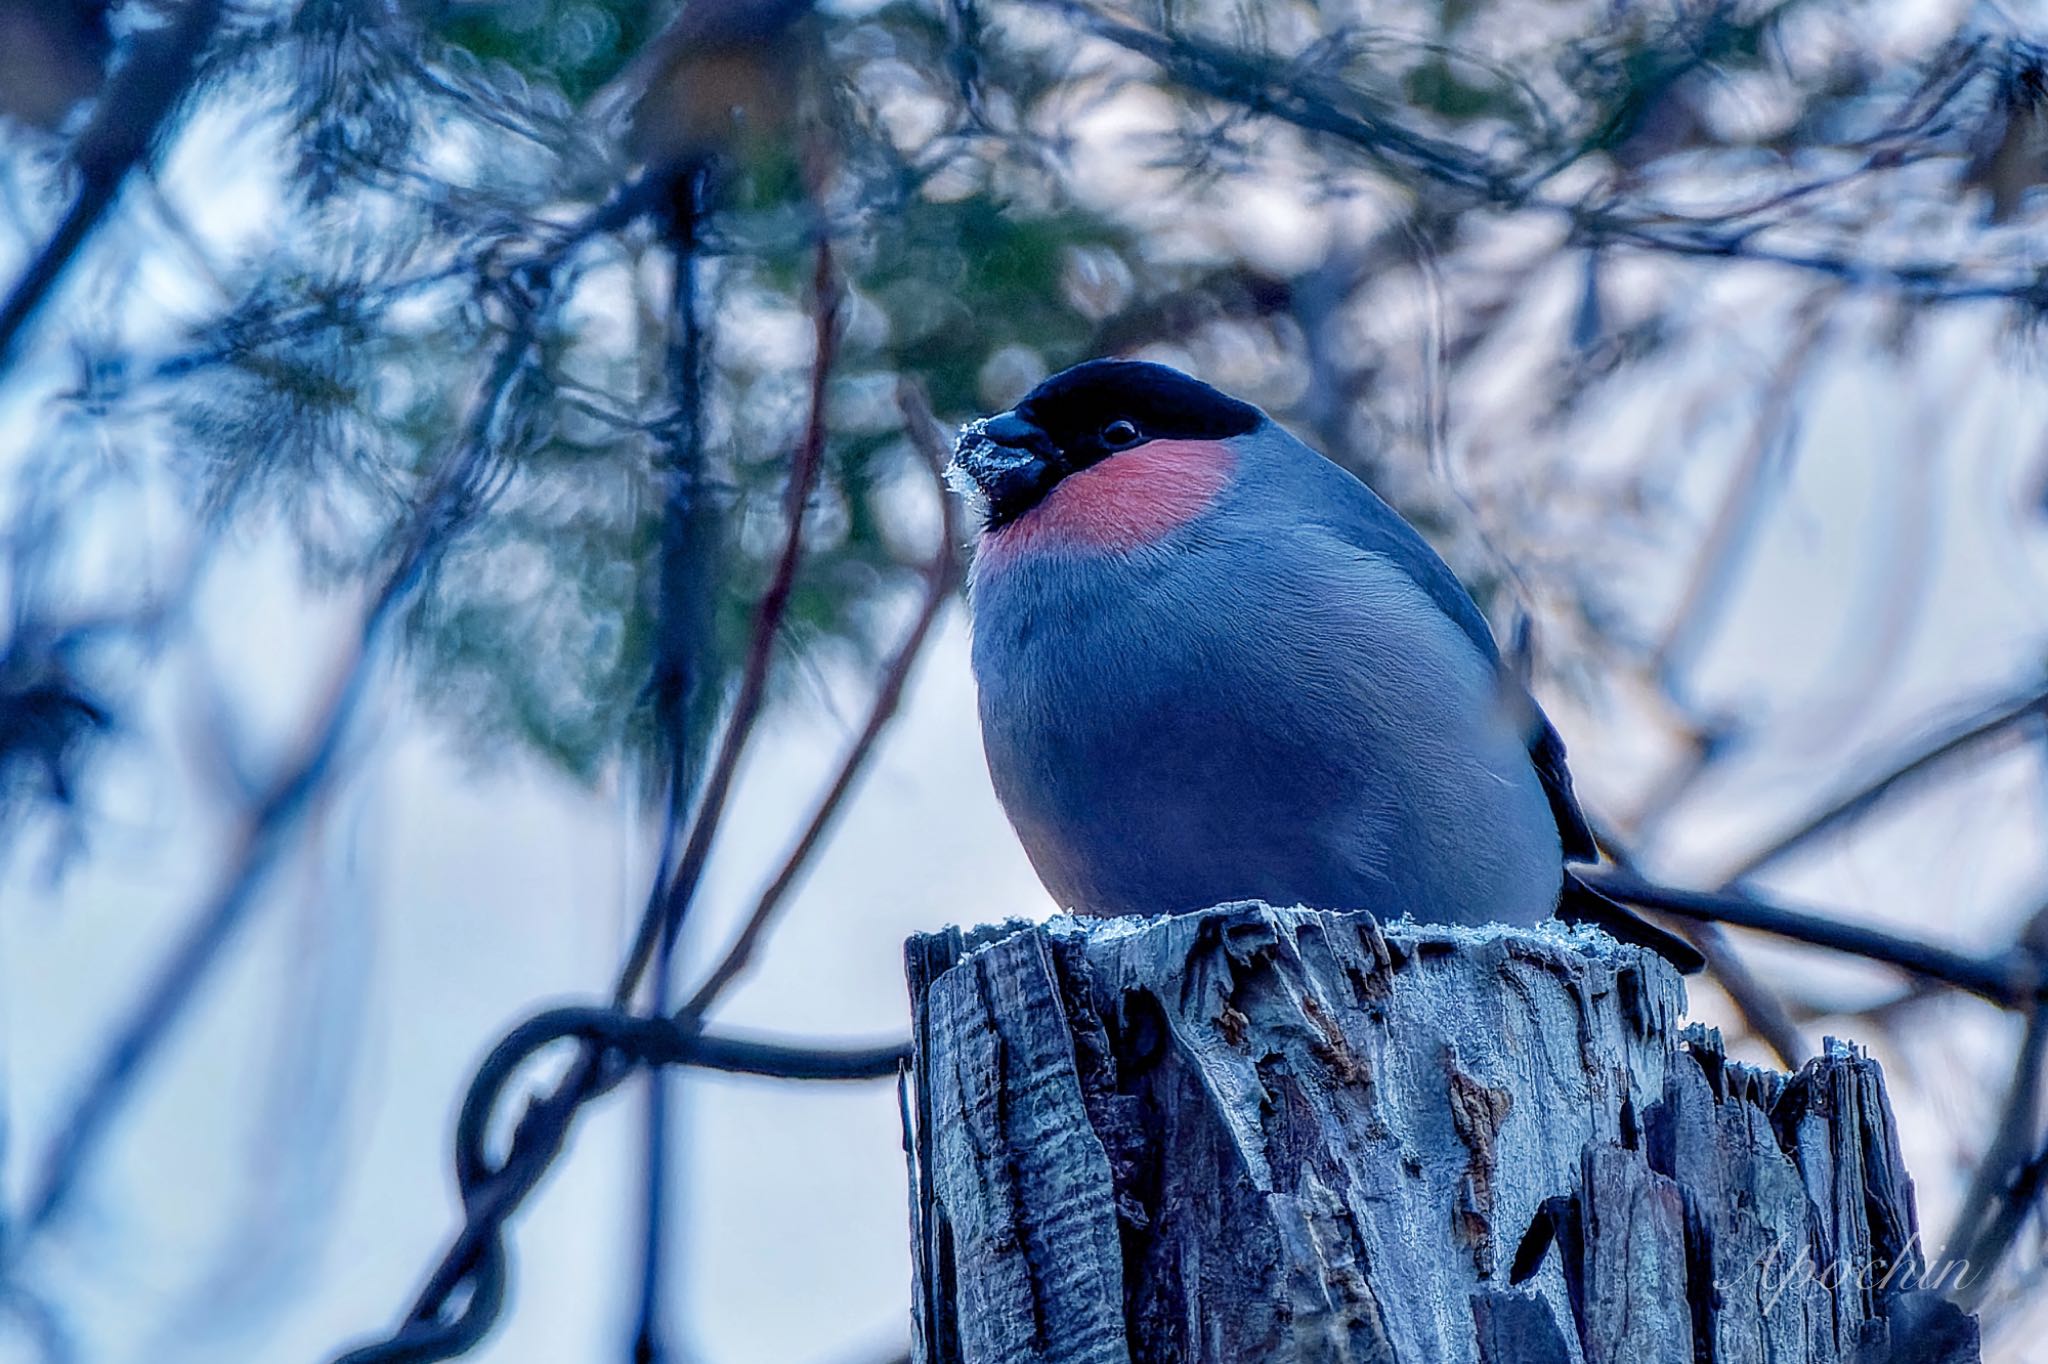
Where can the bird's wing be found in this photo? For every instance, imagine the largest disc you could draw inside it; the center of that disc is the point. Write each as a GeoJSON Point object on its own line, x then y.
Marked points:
{"type": "Point", "coordinates": [1358, 515]}
{"type": "Point", "coordinates": [1546, 750]}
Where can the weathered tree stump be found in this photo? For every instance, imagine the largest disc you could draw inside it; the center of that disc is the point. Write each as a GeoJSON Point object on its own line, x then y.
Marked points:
{"type": "Point", "coordinates": [1257, 1134]}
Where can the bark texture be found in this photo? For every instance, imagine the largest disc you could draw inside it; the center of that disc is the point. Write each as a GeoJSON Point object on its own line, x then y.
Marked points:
{"type": "Point", "coordinates": [1258, 1134]}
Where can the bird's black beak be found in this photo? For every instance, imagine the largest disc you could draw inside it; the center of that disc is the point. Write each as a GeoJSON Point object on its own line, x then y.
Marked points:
{"type": "Point", "coordinates": [1006, 463]}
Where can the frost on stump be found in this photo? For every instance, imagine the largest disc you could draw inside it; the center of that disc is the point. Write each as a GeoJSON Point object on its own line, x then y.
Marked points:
{"type": "Point", "coordinates": [1257, 1134]}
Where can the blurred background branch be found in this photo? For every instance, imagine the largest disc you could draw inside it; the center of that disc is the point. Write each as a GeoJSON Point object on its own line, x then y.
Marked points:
{"type": "Point", "coordinates": [470, 532]}
{"type": "Point", "coordinates": [128, 116]}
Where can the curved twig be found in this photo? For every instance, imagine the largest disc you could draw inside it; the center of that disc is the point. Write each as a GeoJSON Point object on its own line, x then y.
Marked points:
{"type": "Point", "coordinates": [1982, 1230]}
{"type": "Point", "coordinates": [1984, 725]}
{"type": "Point", "coordinates": [491, 1192]}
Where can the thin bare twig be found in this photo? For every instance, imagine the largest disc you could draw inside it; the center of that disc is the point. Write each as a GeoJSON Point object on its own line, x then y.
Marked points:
{"type": "Point", "coordinates": [1981, 727]}
{"type": "Point", "coordinates": [1758, 1004]}
{"type": "Point", "coordinates": [941, 574]}
{"type": "Point", "coordinates": [774, 604]}
{"type": "Point", "coordinates": [476, 1258]}
{"type": "Point", "coordinates": [1977, 1237]}
{"type": "Point", "coordinates": [1720, 551]}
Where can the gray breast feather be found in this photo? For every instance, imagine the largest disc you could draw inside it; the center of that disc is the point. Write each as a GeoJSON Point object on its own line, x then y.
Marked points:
{"type": "Point", "coordinates": [1291, 719]}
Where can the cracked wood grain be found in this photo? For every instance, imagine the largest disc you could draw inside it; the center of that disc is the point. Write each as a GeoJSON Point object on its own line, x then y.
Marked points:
{"type": "Point", "coordinates": [1258, 1134]}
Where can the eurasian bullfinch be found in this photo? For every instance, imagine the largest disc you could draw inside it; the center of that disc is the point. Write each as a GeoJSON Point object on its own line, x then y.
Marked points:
{"type": "Point", "coordinates": [1215, 666]}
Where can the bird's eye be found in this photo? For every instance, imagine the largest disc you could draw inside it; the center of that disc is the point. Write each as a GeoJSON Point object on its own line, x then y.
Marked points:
{"type": "Point", "coordinates": [1118, 434]}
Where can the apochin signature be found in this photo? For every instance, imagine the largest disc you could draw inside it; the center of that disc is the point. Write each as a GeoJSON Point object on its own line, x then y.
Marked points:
{"type": "Point", "coordinates": [1907, 1270]}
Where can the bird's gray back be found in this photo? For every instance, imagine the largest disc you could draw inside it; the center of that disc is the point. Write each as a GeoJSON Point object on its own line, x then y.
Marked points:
{"type": "Point", "coordinates": [1357, 515]}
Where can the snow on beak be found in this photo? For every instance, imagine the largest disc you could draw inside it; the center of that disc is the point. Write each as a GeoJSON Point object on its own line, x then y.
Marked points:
{"type": "Point", "coordinates": [1004, 464]}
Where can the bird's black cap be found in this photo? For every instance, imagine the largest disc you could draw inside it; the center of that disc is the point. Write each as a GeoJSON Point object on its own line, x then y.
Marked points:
{"type": "Point", "coordinates": [1076, 405]}
{"type": "Point", "coordinates": [1080, 417]}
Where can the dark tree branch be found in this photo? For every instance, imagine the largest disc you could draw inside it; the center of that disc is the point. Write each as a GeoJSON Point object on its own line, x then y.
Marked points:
{"type": "Point", "coordinates": [492, 1192]}
{"type": "Point", "coordinates": [236, 335]}
{"type": "Point", "coordinates": [1259, 84]}
{"type": "Point", "coordinates": [774, 604]}
{"type": "Point", "coordinates": [1262, 85]}
{"type": "Point", "coordinates": [2019, 1198]}
{"type": "Point", "coordinates": [2012, 979]}
{"type": "Point", "coordinates": [688, 581]}
{"type": "Point", "coordinates": [640, 1040]}
{"type": "Point", "coordinates": [684, 679]}
{"type": "Point", "coordinates": [492, 1189]}
{"type": "Point", "coordinates": [1759, 1006]}
{"type": "Point", "coordinates": [123, 132]}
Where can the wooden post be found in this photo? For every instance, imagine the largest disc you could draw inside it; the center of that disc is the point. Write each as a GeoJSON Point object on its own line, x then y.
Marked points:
{"type": "Point", "coordinates": [1256, 1134]}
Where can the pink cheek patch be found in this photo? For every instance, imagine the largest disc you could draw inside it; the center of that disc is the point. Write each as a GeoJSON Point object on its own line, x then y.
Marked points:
{"type": "Point", "coordinates": [1125, 502]}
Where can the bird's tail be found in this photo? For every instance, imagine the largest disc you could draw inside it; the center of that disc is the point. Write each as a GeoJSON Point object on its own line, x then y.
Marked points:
{"type": "Point", "coordinates": [1580, 903]}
